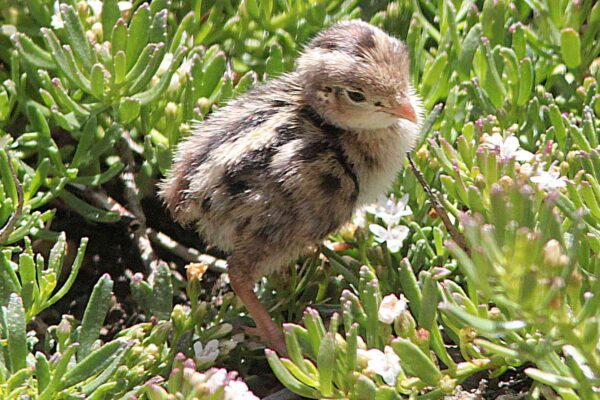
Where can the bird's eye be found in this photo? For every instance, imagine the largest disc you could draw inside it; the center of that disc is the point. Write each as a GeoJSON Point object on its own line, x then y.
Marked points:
{"type": "Point", "coordinates": [356, 96]}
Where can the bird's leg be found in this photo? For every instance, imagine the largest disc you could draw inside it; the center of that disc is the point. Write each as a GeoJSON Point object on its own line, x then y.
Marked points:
{"type": "Point", "coordinates": [243, 286]}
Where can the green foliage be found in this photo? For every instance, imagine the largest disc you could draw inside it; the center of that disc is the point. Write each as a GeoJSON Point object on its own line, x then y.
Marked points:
{"type": "Point", "coordinates": [32, 374]}
{"type": "Point", "coordinates": [77, 79]}
{"type": "Point", "coordinates": [510, 139]}
{"type": "Point", "coordinates": [514, 150]}
{"type": "Point", "coordinates": [128, 365]}
{"type": "Point", "coordinates": [34, 282]}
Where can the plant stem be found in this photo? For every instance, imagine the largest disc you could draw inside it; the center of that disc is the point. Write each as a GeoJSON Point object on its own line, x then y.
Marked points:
{"type": "Point", "coordinates": [10, 225]}
{"type": "Point", "coordinates": [457, 237]}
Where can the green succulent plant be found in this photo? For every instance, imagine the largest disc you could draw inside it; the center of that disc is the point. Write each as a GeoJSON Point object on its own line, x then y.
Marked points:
{"type": "Point", "coordinates": [95, 95]}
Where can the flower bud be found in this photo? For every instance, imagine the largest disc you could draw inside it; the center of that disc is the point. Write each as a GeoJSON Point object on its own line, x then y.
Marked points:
{"type": "Point", "coordinates": [81, 7]}
{"type": "Point", "coordinates": [506, 182]}
{"type": "Point", "coordinates": [556, 302]}
{"type": "Point", "coordinates": [174, 84]}
{"type": "Point", "coordinates": [347, 231]}
{"type": "Point", "coordinates": [362, 358]}
{"type": "Point", "coordinates": [468, 334]}
{"type": "Point", "coordinates": [204, 104]}
{"type": "Point", "coordinates": [480, 181]}
{"type": "Point", "coordinates": [138, 370]}
{"type": "Point", "coordinates": [165, 64]}
{"type": "Point", "coordinates": [171, 110]}
{"type": "Point", "coordinates": [97, 31]}
{"type": "Point", "coordinates": [64, 328]}
{"type": "Point", "coordinates": [405, 324]}
{"type": "Point", "coordinates": [553, 255]}
{"type": "Point", "coordinates": [423, 154]}
{"type": "Point", "coordinates": [179, 315]}
{"type": "Point", "coordinates": [136, 351]}
{"type": "Point", "coordinates": [197, 381]}
{"type": "Point", "coordinates": [576, 278]}
{"type": "Point", "coordinates": [447, 384]}
{"type": "Point", "coordinates": [155, 392]}
{"type": "Point", "coordinates": [422, 337]}
{"type": "Point", "coordinates": [152, 349]}
{"type": "Point", "coordinates": [360, 343]}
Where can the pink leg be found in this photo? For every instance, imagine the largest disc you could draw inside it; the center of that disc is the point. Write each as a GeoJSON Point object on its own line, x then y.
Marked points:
{"type": "Point", "coordinates": [268, 330]}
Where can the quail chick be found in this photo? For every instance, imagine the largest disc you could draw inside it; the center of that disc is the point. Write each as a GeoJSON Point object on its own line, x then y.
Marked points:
{"type": "Point", "coordinates": [286, 164]}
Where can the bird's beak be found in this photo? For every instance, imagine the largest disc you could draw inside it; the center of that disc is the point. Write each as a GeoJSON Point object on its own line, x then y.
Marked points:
{"type": "Point", "coordinates": [405, 110]}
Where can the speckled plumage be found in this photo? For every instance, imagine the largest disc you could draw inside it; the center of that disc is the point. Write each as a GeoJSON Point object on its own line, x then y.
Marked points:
{"type": "Point", "coordinates": [287, 163]}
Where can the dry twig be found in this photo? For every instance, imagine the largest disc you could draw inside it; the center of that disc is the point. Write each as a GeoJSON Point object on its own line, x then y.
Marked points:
{"type": "Point", "coordinates": [190, 254]}
{"type": "Point", "coordinates": [138, 224]}
{"type": "Point", "coordinates": [457, 237]}
{"type": "Point", "coordinates": [187, 253]}
{"type": "Point", "coordinates": [102, 200]}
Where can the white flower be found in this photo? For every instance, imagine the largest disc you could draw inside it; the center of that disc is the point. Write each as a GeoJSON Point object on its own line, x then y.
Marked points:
{"type": "Point", "coordinates": [174, 83]}
{"type": "Point", "coordinates": [390, 210]}
{"type": "Point", "coordinates": [507, 148]}
{"type": "Point", "coordinates": [549, 180]}
{"type": "Point", "coordinates": [124, 5]}
{"type": "Point", "coordinates": [237, 390]}
{"type": "Point", "coordinates": [526, 170]}
{"type": "Point", "coordinates": [391, 307]}
{"type": "Point", "coordinates": [96, 6]}
{"type": "Point", "coordinates": [216, 379]}
{"type": "Point", "coordinates": [56, 21]}
{"type": "Point", "coordinates": [386, 364]}
{"type": "Point", "coordinates": [392, 236]}
{"type": "Point", "coordinates": [206, 355]}
{"type": "Point", "coordinates": [185, 67]}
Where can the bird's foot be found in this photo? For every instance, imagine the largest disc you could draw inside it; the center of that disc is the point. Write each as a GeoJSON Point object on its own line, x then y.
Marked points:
{"type": "Point", "coordinates": [271, 336]}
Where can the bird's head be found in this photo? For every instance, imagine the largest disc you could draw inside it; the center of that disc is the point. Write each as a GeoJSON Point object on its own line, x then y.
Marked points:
{"type": "Point", "coordinates": [357, 77]}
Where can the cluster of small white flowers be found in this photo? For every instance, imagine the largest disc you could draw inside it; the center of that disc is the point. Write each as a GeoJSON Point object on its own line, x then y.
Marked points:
{"type": "Point", "coordinates": [390, 211]}
{"type": "Point", "coordinates": [549, 180]}
{"type": "Point", "coordinates": [384, 363]}
{"type": "Point", "coordinates": [393, 236]}
{"type": "Point", "coordinates": [237, 390]}
{"type": "Point", "coordinates": [510, 148]}
{"type": "Point", "coordinates": [215, 379]}
{"type": "Point", "coordinates": [206, 354]}
{"type": "Point", "coordinates": [506, 148]}
{"type": "Point", "coordinates": [391, 307]}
